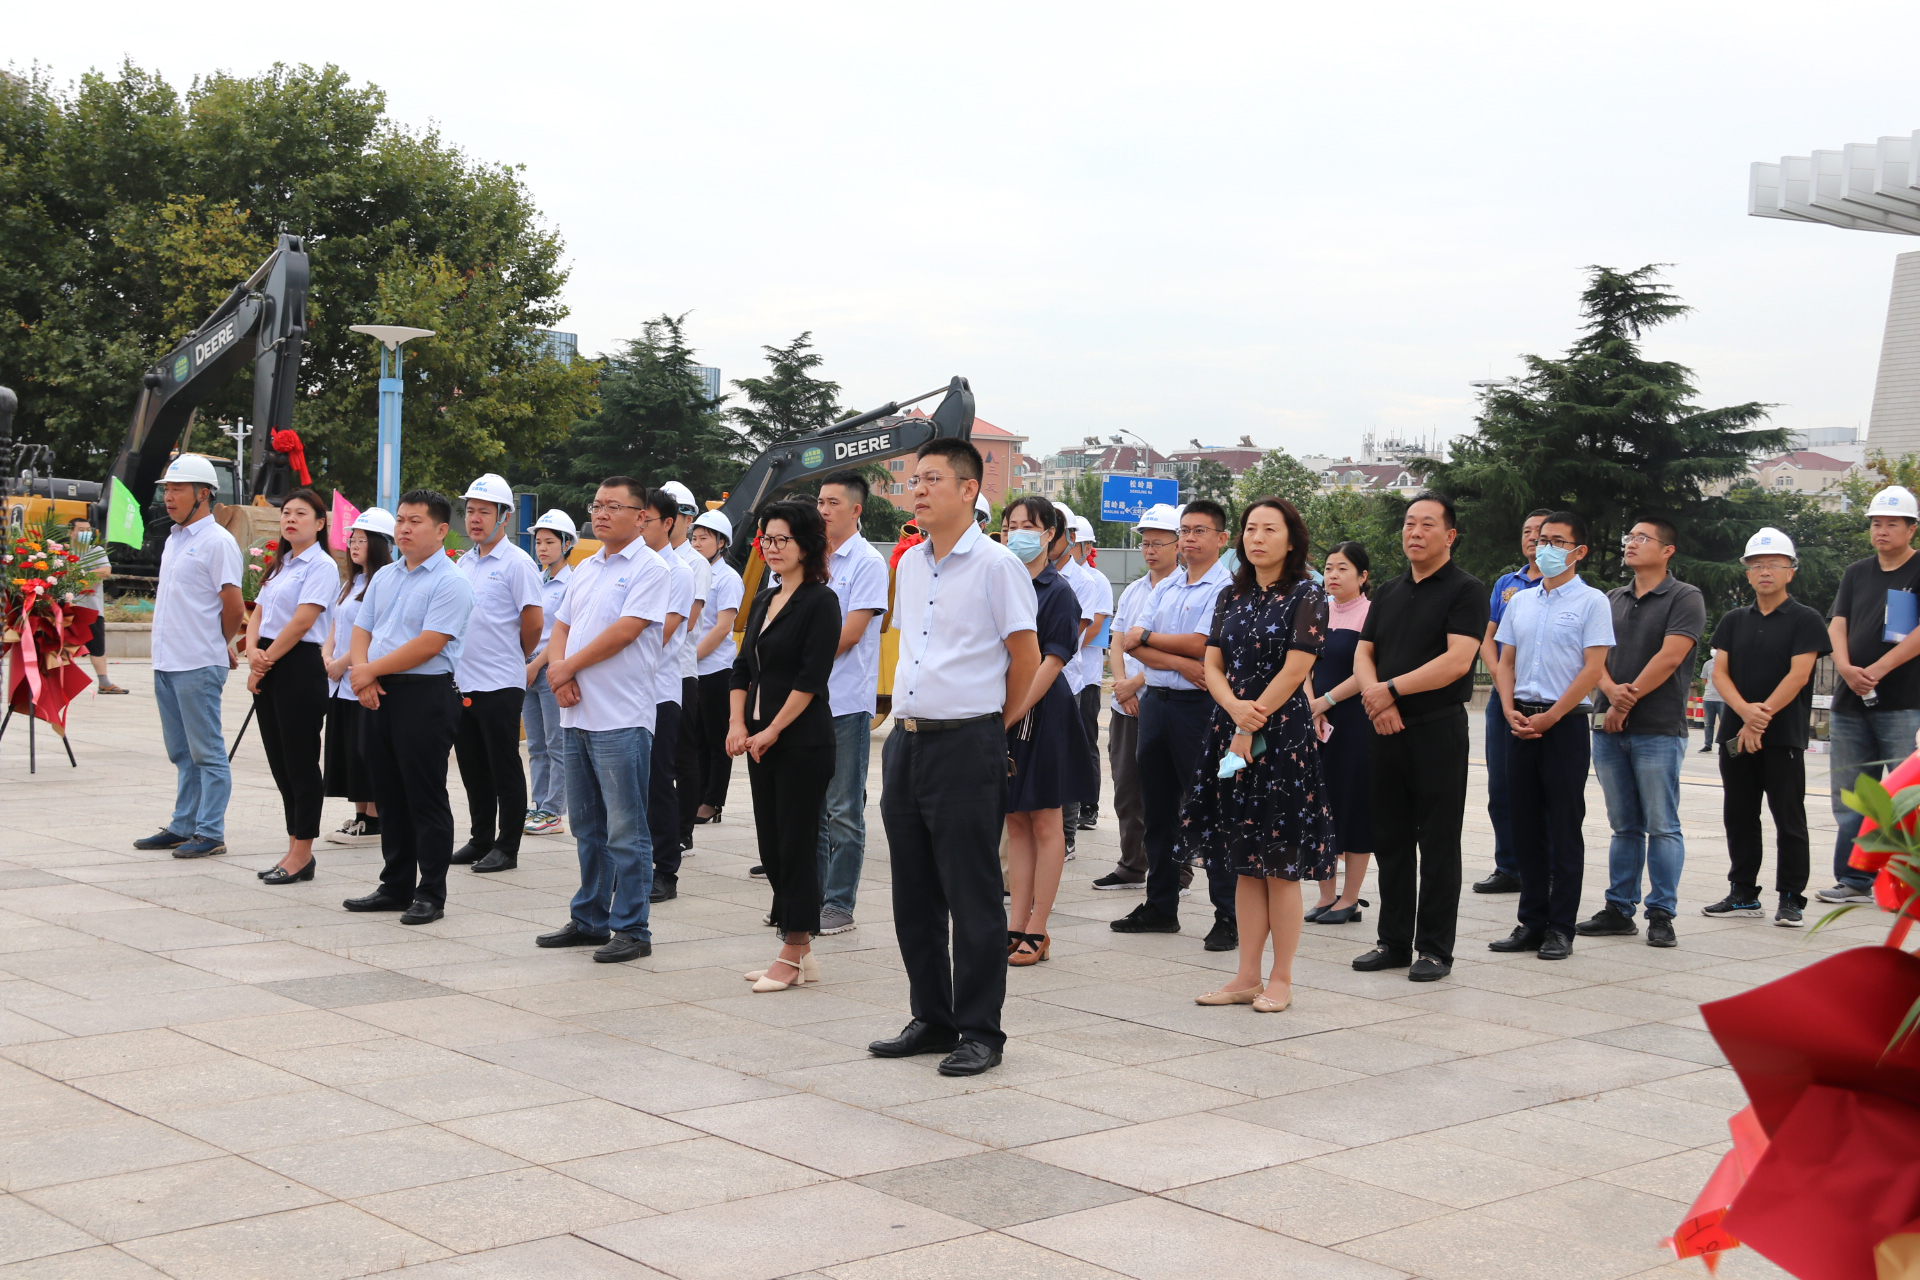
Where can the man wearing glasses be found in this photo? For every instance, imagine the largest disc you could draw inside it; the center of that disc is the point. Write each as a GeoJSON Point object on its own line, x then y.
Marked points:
{"type": "Point", "coordinates": [1170, 641]}
{"type": "Point", "coordinates": [1505, 877]}
{"type": "Point", "coordinates": [964, 607]}
{"type": "Point", "coordinates": [1657, 624]}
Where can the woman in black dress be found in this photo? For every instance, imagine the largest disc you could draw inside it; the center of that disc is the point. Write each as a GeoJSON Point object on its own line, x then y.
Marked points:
{"type": "Point", "coordinates": [1052, 764]}
{"type": "Point", "coordinates": [1346, 753]}
{"type": "Point", "coordinates": [781, 722]}
{"type": "Point", "coordinates": [1267, 821]}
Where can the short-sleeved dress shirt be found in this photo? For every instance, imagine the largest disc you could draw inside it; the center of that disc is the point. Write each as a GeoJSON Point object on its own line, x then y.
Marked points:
{"type": "Point", "coordinates": [726, 592]}
{"type": "Point", "coordinates": [403, 602]}
{"type": "Point", "coordinates": [552, 591]}
{"type": "Point", "coordinates": [616, 692]}
{"type": "Point", "coordinates": [200, 559]}
{"type": "Point", "coordinates": [666, 676]}
{"type": "Point", "coordinates": [1552, 631]}
{"type": "Point", "coordinates": [505, 581]}
{"type": "Point", "coordinates": [1126, 614]}
{"type": "Point", "coordinates": [1506, 588]}
{"type": "Point", "coordinates": [1408, 625]}
{"type": "Point", "coordinates": [340, 620]}
{"type": "Point", "coordinates": [1096, 598]}
{"type": "Point", "coordinates": [1641, 625]}
{"type": "Point", "coordinates": [1181, 607]}
{"type": "Point", "coordinates": [310, 577]}
{"type": "Point", "coordinates": [954, 616]}
{"type": "Point", "coordinates": [858, 577]}
{"type": "Point", "coordinates": [702, 585]}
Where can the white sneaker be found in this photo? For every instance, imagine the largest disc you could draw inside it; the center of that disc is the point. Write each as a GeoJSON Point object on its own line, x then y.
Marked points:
{"type": "Point", "coordinates": [356, 832]}
{"type": "Point", "coordinates": [1844, 893]}
{"type": "Point", "coordinates": [348, 829]}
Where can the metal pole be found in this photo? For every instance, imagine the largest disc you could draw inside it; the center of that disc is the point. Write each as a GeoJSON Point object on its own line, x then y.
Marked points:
{"type": "Point", "coordinates": [240, 736]}
{"type": "Point", "coordinates": [387, 487]}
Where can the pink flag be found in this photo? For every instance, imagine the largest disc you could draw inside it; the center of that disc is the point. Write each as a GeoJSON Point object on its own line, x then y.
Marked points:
{"type": "Point", "coordinates": [340, 522]}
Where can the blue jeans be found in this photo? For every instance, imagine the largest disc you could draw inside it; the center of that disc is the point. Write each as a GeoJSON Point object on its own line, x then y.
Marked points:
{"type": "Point", "coordinates": [1868, 742]}
{"type": "Point", "coordinates": [607, 777]}
{"type": "Point", "coordinates": [843, 823]}
{"type": "Point", "coordinates": [190, 725]}
{"type": "Point", "coordinates": [546, 747]}
{"type": "Point", "coordinates": [1640, 778]}
{"type": "Point", "coordinates": [1499, 740]}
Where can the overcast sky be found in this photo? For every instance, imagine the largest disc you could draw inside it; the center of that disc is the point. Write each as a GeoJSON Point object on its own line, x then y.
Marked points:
{"type": "Point", "coordinates": [1188, 221]}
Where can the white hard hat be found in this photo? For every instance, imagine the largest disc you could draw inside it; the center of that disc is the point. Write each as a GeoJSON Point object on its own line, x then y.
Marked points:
{"type": "Point", "coordinates": [1159, 516]}
{"type": "Point", "coordinates": [1771, 542]}
{"type": "Point", "coordinates": [1064, 510]}
{"type": "Point", "coordinates": [558, 522]}
{"type": "Point", "coordinates": [375, 520]}
{"type": "Point", "coordinates": [1082, 531]}
{"type": "Point", "coordinates": [714, 522]}
{"type": "Point", "coordinates": [1894, 500]}
{"type": "Point", "coordinates": [491, 488]}
{"type": "Point", "coordinates": [982, 509]}
{"type": "Point", "coordinates": [681, 494]}
{"type": "Point", "coordinates": [193, 468]}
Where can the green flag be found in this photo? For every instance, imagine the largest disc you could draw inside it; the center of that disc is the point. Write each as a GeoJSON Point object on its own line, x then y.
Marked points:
{"type": "Point", "coordinates": [123, 517]}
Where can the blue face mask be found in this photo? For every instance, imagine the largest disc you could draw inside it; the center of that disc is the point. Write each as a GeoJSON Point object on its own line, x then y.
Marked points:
{"type": "Point", "coordinates": [1551, 560]}
{"type": "Point", "coordinates": [1026, 544]}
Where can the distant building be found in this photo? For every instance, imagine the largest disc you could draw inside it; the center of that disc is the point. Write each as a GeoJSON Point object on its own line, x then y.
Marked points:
{"type": "Point", "coordinates": [999, 451]}
{"type": "Point", "coordinates": [710, 379]}
{"type": "Point", "coordinates": [563, 347]}
{"type": "Point", "coordinates": [1813, 475]}
{"type": "Point", "coordinates": [1235, 458]}
{"type": "Point", "coordinates": [1372, 477]}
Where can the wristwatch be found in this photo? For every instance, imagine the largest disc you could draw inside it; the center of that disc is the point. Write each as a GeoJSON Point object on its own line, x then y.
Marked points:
{"type": "Point", "coordinates": [1146, 637]}
{"type": "Point", "coordinates": [1393, 690]}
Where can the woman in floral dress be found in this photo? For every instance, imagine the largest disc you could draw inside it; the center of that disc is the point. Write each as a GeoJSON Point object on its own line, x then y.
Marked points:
{"type": "Point", "coordinates": [1268, 822]}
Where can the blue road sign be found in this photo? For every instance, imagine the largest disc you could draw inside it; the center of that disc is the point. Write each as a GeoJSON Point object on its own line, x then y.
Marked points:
{"type": "Point", "coordinates": [1127, 497]}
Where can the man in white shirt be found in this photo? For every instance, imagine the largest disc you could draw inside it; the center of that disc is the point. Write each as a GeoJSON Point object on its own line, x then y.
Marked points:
{"type": "Point", "coordinates": [1096, 598]}
{"type": "Point", "coordinates": [1159, 533]}
{"type": "Point", "coordinates": [686, 752]}
{"type": "Point", "coordinates": [603, 669]}
{"type": "Point", "coordinates": [196, 612]}
{"type": "Point", "coordinates": [859, 578]}
{"type": "Point", "coordinates": [1073, 674]}
{"type": "Point", "coordinates": [663, 793]}
{"type": "Point", "coordinates": [964, 607]}
{"type": "Point", "coordinates": [502, 633]}
{"type": "Point", "coordinates": [714, 649]}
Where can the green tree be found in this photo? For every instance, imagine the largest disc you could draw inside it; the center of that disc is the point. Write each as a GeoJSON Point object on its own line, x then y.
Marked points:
{"type": "Point", "coordinates": [1084, 497]}
{"type": "Point", "coordinates": [1210, 479]}
{"type": "Point", "coordinates": [1616, 436]}
{"type": "Point", "coordinates": [1373, 520]}
{"type": "Point", "coordinates": [1279, 475]}
{"type": "Point", "coordinates": [789, 402]}
{"type": "Point", "coordinates": [131, 209]}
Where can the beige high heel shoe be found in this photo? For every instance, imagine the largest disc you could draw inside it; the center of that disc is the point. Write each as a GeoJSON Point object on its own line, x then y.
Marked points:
{"type": "Point", "coordinates": [809, 971]}
{"type": "Point", "coordinates": [1224, 996]}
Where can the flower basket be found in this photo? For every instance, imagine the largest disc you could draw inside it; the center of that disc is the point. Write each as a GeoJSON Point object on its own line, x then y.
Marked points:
{"type": "Point", "coordinates": [44, 632]}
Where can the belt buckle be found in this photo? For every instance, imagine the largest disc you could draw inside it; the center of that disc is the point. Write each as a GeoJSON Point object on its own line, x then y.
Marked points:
{"type": "Point", "coordinates": [910, 724]}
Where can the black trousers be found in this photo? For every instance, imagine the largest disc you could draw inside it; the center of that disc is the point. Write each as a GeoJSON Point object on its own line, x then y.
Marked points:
{"type": "Point", "coordinates": [1089, 699]}
{"type": "Point", "coordinates": [1547, 795]}
{"type": "Point", "coordinates": [789, 795]}
{"type": "Point", "coordinates": [407, 740]}
{"type": "Point", "coordinates": [1172, 732]}
{"type": "Point", "coordinates": [1419, 802]}
{"type": "Point", "coordinates": [1780, 775]}
{"type": "Point", "coordinates": [943, 799]}
{"type": "Point", "coordinates": [716, 766]}
{"type": "Point", "coordinates": [686, 760]}
{"type": "Point", "coordinates": [487, 746]}
{"type": "Point", "coordinates": [291, 706]}
{"type": "Point", "coordinates": [663, 800]}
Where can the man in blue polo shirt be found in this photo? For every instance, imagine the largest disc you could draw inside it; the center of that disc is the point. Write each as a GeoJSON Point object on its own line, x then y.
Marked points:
{"type": "Point", "coordinates": [1505, 877]}
{"type": "Point", "coordinates": [406, 643]}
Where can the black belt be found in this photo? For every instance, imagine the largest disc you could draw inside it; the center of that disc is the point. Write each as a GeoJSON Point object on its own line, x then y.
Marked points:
{"type": "Point", "coordinates": [1176, 695]}
{"type": "Point", "coordinates": [915, 724]}
{"type": "Point", "coordinates": [446, 676]}
{"type": "Point", "coordinates": [1538, 708]}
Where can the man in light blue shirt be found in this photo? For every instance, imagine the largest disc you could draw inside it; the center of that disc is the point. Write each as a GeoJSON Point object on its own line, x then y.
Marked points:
{"type": "Point", "coordinates": [1505, 877]}
{"type": "Point", "coordinates": [406, 644]}
{"type": "Point", "coordinates": [1554, 637]}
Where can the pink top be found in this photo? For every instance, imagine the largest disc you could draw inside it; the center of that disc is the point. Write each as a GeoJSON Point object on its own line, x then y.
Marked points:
{"type": "Point", "coordinates": [1347, 617]}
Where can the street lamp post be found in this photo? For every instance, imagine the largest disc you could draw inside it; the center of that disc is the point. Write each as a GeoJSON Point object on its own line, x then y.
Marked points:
{"type": "Point", "coordinates": [1145, 464]}
{"type": "Point", "coordinates": [389, 336]}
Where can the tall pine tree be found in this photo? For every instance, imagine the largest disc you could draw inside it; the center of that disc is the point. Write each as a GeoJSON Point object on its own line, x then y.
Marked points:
{"type": "Point", "coordinates": [789, 402]}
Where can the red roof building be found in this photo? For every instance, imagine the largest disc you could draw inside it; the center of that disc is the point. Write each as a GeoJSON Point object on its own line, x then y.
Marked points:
{"type": "Point", "coordinates": [999, 451]}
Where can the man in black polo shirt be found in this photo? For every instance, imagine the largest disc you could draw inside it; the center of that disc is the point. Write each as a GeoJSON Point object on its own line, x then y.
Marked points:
{"type": "Point", "coordinates": [1763, 663]}
{"type": "Point", "coordinates": [1415, 666]}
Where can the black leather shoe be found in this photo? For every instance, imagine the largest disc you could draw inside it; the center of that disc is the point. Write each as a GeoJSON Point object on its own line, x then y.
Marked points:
{"type": "Point", "coordinates": [162, 839]}
{"type": "Point", "coordinates": [497, 861]}
{"type": "Point", "coordinates": [1224, 936]}
{"type": "Point", "coordinates": [1606, 922]}
{"type": "Point", "coordinates": [1144, 919]}
{"type": "Point", "coordinates": [1498, 882]}
{"type": "Point", "coordinates": [1342, 915]}
{"type": "Point", "coordinates": [971, 1059]}
{"type": "Point", "coordinates": [915, 1038]}
{"type": "Point", "coordinates": [280, 875]}
{"type": "Point", "coordinates": [570, 934]}
{"type": "Point", "coordinates": [375, 901]}
{"type": "Point", "coordinates": [469, 853]}
{"type": "Point", "coordinates": [1428, 969]}
{"type": "Point", "coordinates": [757, 871]}
{"type": "Point", "coordinates": [620, 947]}
{"type": "Point", "coordinates": [1556, 945]}
{"type": "Point", "coordinates": [1380, 958]}
{"type": "Point", "coordinates": [421, 912]}
{"type": "Point", "coordinates": [1521, 939]}
{"type": "Point", "coordinates": [665, 889]}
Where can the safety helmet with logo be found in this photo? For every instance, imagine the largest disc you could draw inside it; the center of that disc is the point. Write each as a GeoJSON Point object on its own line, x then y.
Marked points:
{"type": "Point", "coordinates": [1771, 542]}
{"type": "Point", "coordinates": [1159, 516]}
{"type": "Point", "coordinates": [682, 495]}
{"type": "Point", "coordinates": [491, 488]}
{"type": "Point", "coordinates": [558, 521]}
{"type": "Point", "coordinates": [190, 468]}
{"type": "Point", "coordinates": [1894, 500]}
{"type": "Point", "coordinates": [375, 520]}
{"type": "Point", "coordinates": [715, 523]}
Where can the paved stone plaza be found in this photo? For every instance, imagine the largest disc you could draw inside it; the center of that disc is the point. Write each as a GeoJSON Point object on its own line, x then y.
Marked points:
{"type": "Point", "coordinates": [205, 1077]}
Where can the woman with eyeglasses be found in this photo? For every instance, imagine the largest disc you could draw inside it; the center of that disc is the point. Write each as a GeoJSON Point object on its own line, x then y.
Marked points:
{"type": "Point", "coordinates": [781, 722]}
{"type": "Point", "coordinates": [1346, 749]}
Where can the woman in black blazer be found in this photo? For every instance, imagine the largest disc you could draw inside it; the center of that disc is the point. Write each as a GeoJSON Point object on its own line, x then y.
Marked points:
{"type": "Point", "coordinates": [781, 722]}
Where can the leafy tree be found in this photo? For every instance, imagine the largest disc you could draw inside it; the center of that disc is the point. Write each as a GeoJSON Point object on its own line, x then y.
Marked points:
{"type": "Point", "coordinates": [1210, 479]}
{"type": "Point", "coordinates": [131, 209]}
{"type": "Point", "coordinates": [1373, 520]}
{"type": "Point", "coordinates": [1279, 475]}
{"type": "Point", "coordinates": [789, 402]}
{"type": "Point", "coordinates": [1084, 497]}
{"type": "Point", "coordinates": [1618, 437]}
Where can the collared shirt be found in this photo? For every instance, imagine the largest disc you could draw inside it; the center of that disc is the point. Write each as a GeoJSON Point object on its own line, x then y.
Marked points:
{"type": "Point", "coordinates": [726, 592]}
{"type": "Point", "coordinates": [340, 619]}
{"type": "Point", "coordinates": [401, 603]}
{"type": "Point", "coordinates": [1408, 626]}
{"type": "Point", "coordinates": [1760, 649]}
{"type": "Point", "coordinates": [310, 577]}
{"type": "Point", "coordinates": [702, 583]}
{"type": "Point", "coordinates": [666, 676]}
{"type": "Point", "coordinates": [859, 578]}
{"type": "Point", "coordinates": [1180, 607]}
{"type": "Point", "coordinates": [1071, 673]}
{"type": "Point", "coordinates": [1552, 631]}
{"type": "Point", "coordinates": [1641, 625]}
{"type": "Point", "coordinates": [1862, 601]}
{"type": "Point", "coordinates": [1133, 601]}
{"type": "Point", "coordinates": [505, 581]}
{"type": "Point", "coordinates": [1096, 598]}
{"type": "Point", "coordinates": [954, 617]}
{"type": "Point", "coordinates": [1506, 588]}
{"type": "Point", "coordinates": [199, 560]}
{"type": "Point", "coordinates": [552, 591]}
{"type": "Point", "coordinates": [616, 692]}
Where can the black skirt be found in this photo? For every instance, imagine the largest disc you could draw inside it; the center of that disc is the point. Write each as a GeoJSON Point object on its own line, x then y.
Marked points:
{"type": "Point", "coordinates": [1052, 764]}
{"type": "Point", "coordinates": [346, 758]}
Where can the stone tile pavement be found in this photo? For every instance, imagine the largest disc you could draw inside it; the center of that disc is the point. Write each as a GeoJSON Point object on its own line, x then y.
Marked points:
{"type": "Point", "coordinates": [205, 1077]}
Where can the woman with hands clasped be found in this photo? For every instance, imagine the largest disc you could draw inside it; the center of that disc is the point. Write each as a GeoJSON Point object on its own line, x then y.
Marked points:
{"type": "Point", "coordinates": [369, 550]}
{"type": "Point", "coordinates": [1259, 807]}
{"type": "Point", "coordinates": [782, 723]}
{"type": "Point", "coordinates": [1345, 734]}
